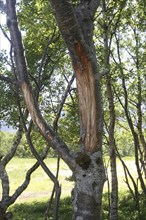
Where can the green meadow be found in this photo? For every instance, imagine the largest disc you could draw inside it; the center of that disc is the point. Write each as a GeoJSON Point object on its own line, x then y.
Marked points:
{"type": "Point", "coordinates": [32, 203]}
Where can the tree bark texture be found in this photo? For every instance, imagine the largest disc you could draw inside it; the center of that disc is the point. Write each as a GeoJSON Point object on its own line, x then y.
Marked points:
{"type": "Point", "coordinates": [87, 193]}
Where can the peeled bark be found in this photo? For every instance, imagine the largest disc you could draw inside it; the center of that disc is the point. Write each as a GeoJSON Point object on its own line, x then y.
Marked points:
{"type": "Point", "coordinates": [89, 172]}
{"type": "Point", "coordinates": [76, 26]}
{"type": "Point", "coordinates": [86, 86]}
{"type": "Point", "coordinates": [22, 77]}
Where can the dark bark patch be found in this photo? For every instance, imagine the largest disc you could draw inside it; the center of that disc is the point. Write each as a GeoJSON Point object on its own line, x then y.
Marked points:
{"type": "Point", "coordinates": [98, 161]}
{"type": "Point", "coordinates": [83, 160]}
{"type": "Point", "coordinates": [94, 185]}
{"type": "Point", "coordinates": [87, 207]}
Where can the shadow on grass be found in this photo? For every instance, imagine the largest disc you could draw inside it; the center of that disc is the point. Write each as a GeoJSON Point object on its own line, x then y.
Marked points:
{"type": "Point", "coordinates": [36, 210]}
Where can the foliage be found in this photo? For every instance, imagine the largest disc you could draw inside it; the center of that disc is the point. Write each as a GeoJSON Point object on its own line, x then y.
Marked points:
{"type": "Point", "coordinates": [7, 139]}
{"type": "Point", "coordinates": [48, 63]}
{"type": "Point", "coordinates": [69, 123]}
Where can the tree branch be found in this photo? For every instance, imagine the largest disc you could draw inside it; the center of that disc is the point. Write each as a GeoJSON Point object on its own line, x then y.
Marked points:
{"type": "Point", "coordinates": [9, 80]}
{"type": "Point", "coordinates": [62, 102]}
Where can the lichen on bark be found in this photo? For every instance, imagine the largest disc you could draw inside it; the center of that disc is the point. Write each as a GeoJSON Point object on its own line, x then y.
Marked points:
{"type": "Point", "coordinates": [88, 187]}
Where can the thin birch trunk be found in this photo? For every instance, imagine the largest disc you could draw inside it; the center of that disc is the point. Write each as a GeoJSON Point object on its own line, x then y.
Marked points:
{"type": "Point", "coordinates": [111, 127]}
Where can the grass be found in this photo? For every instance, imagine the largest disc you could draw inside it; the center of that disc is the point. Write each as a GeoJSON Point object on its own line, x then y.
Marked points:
{"type": "Point", "coordinates": [127, 208]}
{"type": "Point", "coordinates": [40, 185]}
{"type": "Point", "coordinates": [32, 203]}
{"type": "Point", "coordinates": [36, 210]}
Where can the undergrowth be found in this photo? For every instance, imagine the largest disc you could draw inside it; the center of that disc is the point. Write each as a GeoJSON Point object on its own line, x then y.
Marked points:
{"type": "Point", "coordinates": [36, 210]}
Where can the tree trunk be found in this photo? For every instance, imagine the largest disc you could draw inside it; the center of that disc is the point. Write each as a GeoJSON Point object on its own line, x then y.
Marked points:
{"type": "Point", "coordinates": [5, 215]}
{"type": "Point", "coordinates": [111, 126]}
{"type": "Point", "coordinates": [2, 214]}
{"type": "Point", "coordinates": [87, 193]}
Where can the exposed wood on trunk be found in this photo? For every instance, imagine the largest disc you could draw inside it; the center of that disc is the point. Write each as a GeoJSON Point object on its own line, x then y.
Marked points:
{"type": "Point", "coordinates": [76, 26]}
{"type": "Point", "coordinates": [88, 181]}
{"type": "Point", "coordinates": [87, 100]}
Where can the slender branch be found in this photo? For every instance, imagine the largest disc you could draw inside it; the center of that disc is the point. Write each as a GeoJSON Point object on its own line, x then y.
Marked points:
{"type": "Point", "coordinates": [44, 56]}
{"type": "Point", "coordinates": [130, 123]}
{"type": "Point", "coordinates": [5, 34]}
{"type": "Point", "coordinates": [63, 101]}
{"type": "Point", "coordinates": [3, 173]}
{"type": "Point", "coordinates": [11, 153]}
{"type": "Point", "coordinates": [26, 182]}
{"type": "Point", "coordinates": [5, 185]}
{"type": "Point", "coordinates": [40, 162]}
{"type": "Point", "coordinates": [9, 80]}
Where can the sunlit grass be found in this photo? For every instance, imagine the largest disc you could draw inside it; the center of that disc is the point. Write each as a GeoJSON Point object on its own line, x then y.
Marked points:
{"type": "Point", "coordinates": [130, 163]}
{"type": "Point", "coordinates": [33, 201]}
{"type": "Point", "coordinates": [40, 186]}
